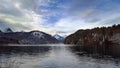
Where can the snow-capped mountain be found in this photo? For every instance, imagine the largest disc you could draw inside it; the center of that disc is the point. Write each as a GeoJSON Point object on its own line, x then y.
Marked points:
{"type": "Point", "coordinates": [33, 37]}
{"type": "Point", "coordinates": [59, 38]}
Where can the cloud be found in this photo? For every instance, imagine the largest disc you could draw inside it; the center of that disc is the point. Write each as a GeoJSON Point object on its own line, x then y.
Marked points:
{"type": "Point", "coordinates": [93, 20]}
{"type": "Point", "coordinates": [27, 4]}
{"type": "Point", "coordinates": [58, 16]}
{"type": "Point", "coordinates": [111, 19]}
{"type": "Point", "coordinates": [15, 26]}
{"type": "Point", "coordinates": [20, 15]}
{"type": "Point", "coordinates": [7, 7]}
{"type": "Point", "coordinates": [69, 26]}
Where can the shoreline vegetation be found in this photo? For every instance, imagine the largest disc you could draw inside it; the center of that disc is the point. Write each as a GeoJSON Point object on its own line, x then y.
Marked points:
{"type": "Point", "coordinates": [98, 41]}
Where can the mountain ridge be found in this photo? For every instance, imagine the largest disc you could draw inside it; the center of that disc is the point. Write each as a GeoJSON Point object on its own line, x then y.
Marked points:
{"type": "Point", "coordinates": [32, 37]}
{"type": "Point", "coordinates": [103, 35]}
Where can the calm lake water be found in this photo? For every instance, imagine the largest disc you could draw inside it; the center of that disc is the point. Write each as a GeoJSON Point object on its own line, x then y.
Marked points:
{"type": "Point", "coordinates": [49, 56]}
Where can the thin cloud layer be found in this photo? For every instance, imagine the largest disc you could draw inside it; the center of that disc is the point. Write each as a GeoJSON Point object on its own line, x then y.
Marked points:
{"type": "Point", "coordinates": [58, 16]}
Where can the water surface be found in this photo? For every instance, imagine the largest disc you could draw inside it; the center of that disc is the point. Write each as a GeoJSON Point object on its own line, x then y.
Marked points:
{"type": "Point", "coordinates": [49, 56]}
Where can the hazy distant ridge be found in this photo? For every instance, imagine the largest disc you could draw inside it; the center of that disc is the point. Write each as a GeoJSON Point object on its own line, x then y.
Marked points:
{"type": "Point", "coordinates": [33, 37]}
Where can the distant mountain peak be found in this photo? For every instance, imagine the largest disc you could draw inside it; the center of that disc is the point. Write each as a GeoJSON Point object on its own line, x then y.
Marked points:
{"type": "Point", "coordinates": [59, 38]}
{"type": "Point", "coordinates": [8, 30]}
{"type": "Point", "coordinates": [0, 31]}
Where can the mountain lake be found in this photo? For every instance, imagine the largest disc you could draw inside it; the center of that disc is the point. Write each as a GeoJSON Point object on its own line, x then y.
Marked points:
{"type": "Point", "coordinates": [50, 56]}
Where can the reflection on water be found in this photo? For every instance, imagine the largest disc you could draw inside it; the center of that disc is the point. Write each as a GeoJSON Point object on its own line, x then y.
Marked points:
{"type": "Point", "coordinates": [49, 56]}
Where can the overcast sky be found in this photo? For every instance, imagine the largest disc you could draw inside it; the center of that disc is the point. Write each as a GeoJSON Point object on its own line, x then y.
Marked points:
{"type": "Point", "coordinates": [58, 16]}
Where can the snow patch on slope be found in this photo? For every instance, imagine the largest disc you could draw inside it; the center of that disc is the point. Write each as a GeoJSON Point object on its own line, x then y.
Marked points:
{"type": "Point", "coordinates": [38, 34]}
{"type": "Point", "coordinates": [58, 37]}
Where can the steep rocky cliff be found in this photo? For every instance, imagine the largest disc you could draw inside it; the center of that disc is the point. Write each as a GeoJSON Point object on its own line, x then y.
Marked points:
{"type": "Point", "coordinates": [103, 35]}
